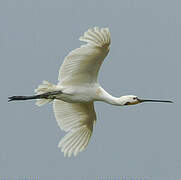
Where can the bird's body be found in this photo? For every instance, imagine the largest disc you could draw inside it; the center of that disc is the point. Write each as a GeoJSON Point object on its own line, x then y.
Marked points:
{"type": "Point", "coordinates": [74, 95]}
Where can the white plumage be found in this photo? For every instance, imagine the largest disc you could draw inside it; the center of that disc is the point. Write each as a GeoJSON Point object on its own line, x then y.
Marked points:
{"type": "Point", "coordinates": [74, 95]}
{"type": "Point", "coordinates": [78, 82]}
{"type": "Point", "coordinates": [79, 68]}
{"type": "Point", "coordinates": [82, 64]}
{"type": "Point", "coordinates": [77, 119]}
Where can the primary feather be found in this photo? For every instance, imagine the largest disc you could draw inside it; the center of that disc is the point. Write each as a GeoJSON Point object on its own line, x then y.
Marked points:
{"type": "Point", "coordinates": [82, 65]}
{"type": "Point", "coordinates": [77, 119]}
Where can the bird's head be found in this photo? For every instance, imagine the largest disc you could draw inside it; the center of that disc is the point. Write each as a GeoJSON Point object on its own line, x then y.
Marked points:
{"type": "Point", "coordinates": [132, 100]}
{"type": "Point", "coordinates": [129, 100]}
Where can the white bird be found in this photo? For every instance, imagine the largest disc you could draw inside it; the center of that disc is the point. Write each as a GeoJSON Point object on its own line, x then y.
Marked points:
{"type": "Point", "coordinates": [78, 87]}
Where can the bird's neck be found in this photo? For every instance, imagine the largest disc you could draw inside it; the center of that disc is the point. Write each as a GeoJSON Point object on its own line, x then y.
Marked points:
{"type": "Point", "coordinates": [106, 97]}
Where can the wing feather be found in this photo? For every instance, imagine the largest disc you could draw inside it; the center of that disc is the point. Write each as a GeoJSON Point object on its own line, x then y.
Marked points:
{"type": "Point", "coordinates": [82, 64]}
{"type": "Point", "coordinates": [80, 67]}
{"type": "Point", "coordinates": [77, 120]}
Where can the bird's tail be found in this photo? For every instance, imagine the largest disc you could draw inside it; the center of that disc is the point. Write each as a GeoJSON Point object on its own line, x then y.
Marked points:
{"type": "Point", "coordinates": [45, 93]}
{"type": "Point", "coordinates": [43, 88]}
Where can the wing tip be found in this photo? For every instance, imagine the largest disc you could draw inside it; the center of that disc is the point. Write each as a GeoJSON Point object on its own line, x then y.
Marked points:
{"type": "Point", "coordinates": [96, 36]}
{"type": "Point", "coordinates": [75, 142]}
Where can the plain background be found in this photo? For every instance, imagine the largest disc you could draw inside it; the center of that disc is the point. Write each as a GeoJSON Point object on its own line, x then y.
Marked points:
{"type": "Point", "coordinates": [141, 141]}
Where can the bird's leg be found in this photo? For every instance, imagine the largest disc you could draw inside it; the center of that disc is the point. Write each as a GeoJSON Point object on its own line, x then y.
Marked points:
{"type": "Point", "coordinates": [48, 95]}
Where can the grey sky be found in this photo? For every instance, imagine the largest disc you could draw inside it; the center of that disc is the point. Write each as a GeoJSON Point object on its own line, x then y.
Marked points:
{"type": "Point", "coordinates": [137, 141]}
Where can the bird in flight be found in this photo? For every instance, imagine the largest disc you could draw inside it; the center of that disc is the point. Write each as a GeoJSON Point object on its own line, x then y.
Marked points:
{"type": "Point", "coordinates": [77, 89]}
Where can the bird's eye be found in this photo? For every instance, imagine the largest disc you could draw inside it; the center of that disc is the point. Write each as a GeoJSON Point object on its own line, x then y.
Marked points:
{"type": "Point", "coordinates": [134, 98]}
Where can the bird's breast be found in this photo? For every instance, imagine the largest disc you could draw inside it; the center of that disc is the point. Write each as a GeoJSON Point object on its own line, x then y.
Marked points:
{"type": "Point", "coordinates": [78, 94]}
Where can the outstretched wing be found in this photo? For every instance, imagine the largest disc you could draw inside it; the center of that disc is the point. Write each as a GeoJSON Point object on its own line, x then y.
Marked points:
{"type": "Point", "coordinates": [77, 120]}
{"type": "Point", "coordinates": [82, 64]}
